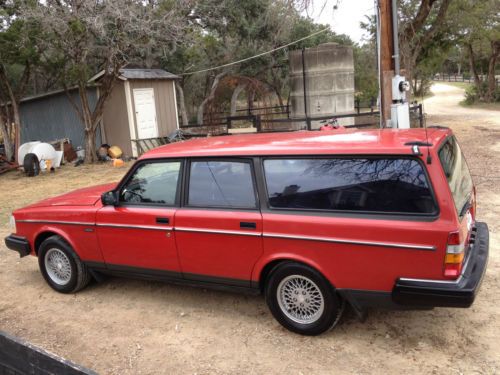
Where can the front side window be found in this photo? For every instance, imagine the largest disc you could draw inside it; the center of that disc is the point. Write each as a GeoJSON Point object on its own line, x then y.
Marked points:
{"type": "Point", "coordinates": [349, 184]}
{"type": "Point", "coordinates": [457, 173]}
{"type": "Point", "coordinates": [152, 183]}
{"type": "Point", "coordinates": [221, 184]}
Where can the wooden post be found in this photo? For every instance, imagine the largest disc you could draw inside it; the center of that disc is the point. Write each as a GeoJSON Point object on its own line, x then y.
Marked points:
{"type": "Point", "coordinates": [386, 59]}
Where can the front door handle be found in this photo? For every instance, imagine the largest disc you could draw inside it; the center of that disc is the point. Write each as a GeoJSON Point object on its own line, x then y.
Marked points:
{"type": "Point", "coordinates": [162, 220]}
{"type": "Point", "coordinates": [247, 225]}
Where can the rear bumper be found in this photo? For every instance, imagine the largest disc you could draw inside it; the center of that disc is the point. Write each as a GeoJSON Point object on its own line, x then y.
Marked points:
{"type": "Point", "coordinates": [459, 293]}
{"type": "Point", "coordinates": [19, 244]}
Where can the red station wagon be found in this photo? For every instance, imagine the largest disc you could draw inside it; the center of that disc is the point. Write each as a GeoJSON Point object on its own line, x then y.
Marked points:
{"type": "Point", "coordinates": [313, 220]}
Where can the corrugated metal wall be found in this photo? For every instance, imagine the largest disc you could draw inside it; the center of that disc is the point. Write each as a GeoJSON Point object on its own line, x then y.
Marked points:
{"type": "Point", "coordinates": [52, 117]}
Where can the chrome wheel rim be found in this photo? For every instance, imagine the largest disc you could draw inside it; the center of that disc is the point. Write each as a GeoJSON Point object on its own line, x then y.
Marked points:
{"type": "Point", "coordinates": [300, 299]}
{"type": "Point", "coordinates": [58, 266]}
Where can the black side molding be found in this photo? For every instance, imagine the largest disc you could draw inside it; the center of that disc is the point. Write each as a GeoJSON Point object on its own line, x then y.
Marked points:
{"type": "Point", "coordinates": [19, 244]}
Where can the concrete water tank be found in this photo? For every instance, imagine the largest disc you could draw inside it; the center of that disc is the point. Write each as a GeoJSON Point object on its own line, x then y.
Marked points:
{"type": "Point", "coordinates": [329, 75]}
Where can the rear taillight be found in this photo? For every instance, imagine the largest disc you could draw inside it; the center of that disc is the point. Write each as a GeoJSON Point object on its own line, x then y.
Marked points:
{"type": "Point", "coordinates": [455, 253]}
{"type": "Point", "coordinates": [473, 204]}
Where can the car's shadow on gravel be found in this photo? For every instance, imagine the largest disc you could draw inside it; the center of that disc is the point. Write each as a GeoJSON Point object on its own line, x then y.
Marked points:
{"type": "Point", "coordinates": [128, 293]}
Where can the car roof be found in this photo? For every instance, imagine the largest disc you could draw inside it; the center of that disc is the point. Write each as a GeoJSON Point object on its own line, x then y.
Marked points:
{"type": "Point", "coordinates": [372, 141]}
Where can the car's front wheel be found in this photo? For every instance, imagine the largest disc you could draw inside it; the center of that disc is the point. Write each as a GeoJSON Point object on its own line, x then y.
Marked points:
{"type": "Point", "coordinates": [61, 267]}
{"type": "Point", "coordinates": [302, 300]}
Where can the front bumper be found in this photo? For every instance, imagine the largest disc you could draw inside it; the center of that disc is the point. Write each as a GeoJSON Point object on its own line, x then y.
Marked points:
{"type": "Point", "coordinates": [19, 244]}
{"type": "Point", "coordinates": [459, 293]}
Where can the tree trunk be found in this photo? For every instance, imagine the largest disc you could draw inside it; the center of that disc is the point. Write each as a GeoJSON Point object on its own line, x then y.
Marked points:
{"type": "Point", "coordinates": [473, 69]}
{"type": "Point", "coordinates": [90, 149]}
{"type": "Point", "coordinates": [492, 81]}
{"type": "Point", "coordinates": [234, 98]}
{"type": "Point", "coordinates": [10, 118]}
{"type": "Point", "coordinates": [211, 96]}
{"type": "Point", "coordinates": [251, 99]}
{"type": "Point", "coordinates": [7, 141]}
{"type": "Point", "coordinates": [182, 104]}
{"type": "Point", "coordinates": [90, 129]}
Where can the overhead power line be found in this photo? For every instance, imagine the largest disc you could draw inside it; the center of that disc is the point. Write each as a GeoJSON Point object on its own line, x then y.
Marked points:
{"type": "Point", "coordinates": [258, 55]}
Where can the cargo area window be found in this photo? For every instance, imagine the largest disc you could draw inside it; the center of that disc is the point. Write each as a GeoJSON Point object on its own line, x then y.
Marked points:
{"type": "Point", "coordinates": [226, 184]}
{"type": "Point", "coordinates": [152, 183]}
{"type": "Point", "coordinates": [378, 185]}
{"type": "Point", "coordinates": [457, 173]}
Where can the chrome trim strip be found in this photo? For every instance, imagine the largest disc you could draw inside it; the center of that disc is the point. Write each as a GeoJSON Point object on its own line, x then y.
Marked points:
{"type": "Point", "coordinates": [129, 226]}
{"type": "Point", "coordinates": [55, 222]}
{"type": "Point", "coordinates": [434, 282]}
{"type": "Point", "coordinates": [112, 225]}
{"type": "Point", "coordinates": [217, 231]}
{"type": "Point", "coordinates": [342, 241]}
{"type": "Point", "coordinates": [447, 282]}
{"type": "Point", "coordinates": [242, 233]}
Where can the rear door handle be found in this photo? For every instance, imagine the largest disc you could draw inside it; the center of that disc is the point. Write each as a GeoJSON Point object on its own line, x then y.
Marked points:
{"type": "Point", "coordinates": [248, 225]}
{"type": "Point", "coordinates": [162, 220]}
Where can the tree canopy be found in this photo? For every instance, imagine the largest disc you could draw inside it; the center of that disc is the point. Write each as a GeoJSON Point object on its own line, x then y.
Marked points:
{"type": "Point", "coordinates": [64, 43]}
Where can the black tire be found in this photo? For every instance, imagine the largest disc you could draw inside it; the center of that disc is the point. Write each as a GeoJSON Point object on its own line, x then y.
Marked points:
{"type": "Point", "coordinates": [79, 276]}
{"type": "Point", "coordinates": [31, 165]}
{"type": "Point", "coordinates": [328, 316]}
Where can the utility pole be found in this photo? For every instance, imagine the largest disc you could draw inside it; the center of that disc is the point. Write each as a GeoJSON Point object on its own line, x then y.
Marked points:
{"type": "Point", "coordinates": [393, 105]}
{"type": "Point", "coordinates": [386, 63]}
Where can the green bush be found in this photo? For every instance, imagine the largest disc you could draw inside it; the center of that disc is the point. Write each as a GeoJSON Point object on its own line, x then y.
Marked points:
{"type": "Point", "coordinates": [472, 95]}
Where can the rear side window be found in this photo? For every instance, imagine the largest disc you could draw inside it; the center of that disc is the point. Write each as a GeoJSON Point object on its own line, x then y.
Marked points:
{"type": "Point", "coordinates": [457, 173]}
{"type": "Point", "coordinates": [354, 184]}
{"type": "Point", "coordinates": [221, 184]}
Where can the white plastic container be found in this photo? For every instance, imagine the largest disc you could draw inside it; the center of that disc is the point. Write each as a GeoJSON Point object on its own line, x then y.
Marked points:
{"type": "Point", "coordinates": [24, 149]}
{"type": "Point", "coordinates": [43, 151]}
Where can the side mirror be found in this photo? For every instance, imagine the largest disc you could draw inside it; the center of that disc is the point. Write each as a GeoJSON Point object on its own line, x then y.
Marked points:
{"type": "Point", "coordinates": [109, 198]}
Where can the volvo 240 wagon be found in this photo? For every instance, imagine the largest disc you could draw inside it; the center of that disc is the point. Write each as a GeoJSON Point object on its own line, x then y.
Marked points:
{"type": "Point", "coordinates": [313, 220]}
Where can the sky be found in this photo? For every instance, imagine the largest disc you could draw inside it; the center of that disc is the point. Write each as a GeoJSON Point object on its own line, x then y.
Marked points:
{"type": "Point", "coordinates": [346, 18]}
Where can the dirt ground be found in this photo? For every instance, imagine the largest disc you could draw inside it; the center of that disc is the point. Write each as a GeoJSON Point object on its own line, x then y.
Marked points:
{"type": "Point", "coordinates": [135, 327]}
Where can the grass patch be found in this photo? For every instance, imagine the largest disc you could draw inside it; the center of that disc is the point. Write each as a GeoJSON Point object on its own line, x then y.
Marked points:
{"type": "Point", "coordinates": [487, 106]}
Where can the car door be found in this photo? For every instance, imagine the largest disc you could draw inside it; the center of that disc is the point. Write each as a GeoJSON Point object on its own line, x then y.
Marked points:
{"type": "Point", "coordinates": [137, 232]}
{"type": "Point", "coordinates": [219, 228]}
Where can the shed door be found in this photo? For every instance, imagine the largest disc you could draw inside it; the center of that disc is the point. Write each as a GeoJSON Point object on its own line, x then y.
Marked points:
{"type": "Point", "coordinates": [145, 113]}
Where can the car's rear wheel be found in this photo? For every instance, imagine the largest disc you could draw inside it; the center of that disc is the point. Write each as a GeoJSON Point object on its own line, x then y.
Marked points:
{"type": "Point", "coordinates": [61, 267]}
{"type": "Point", "coordinates": [302, 300]}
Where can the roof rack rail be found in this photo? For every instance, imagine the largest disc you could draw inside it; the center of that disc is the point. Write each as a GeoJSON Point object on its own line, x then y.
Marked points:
{"type": "Point", "coordinates": [438, 127]}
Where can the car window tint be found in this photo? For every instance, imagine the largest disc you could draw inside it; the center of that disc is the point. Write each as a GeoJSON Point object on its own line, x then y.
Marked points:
{"type": "Point", "coordinates": [221, 184]}
{"type": "Point", "coordinates": [154, 183]}
{"type": "Point", "coordinates": [357, 184]}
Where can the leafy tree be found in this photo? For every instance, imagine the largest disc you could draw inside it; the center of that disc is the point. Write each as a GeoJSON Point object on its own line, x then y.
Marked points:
{"type": "Point", "coordinates": [233, 31]}
{"type": "Point", "coordinates": [479, 33]}
{"type": "Point", "coordinates": [425, 35]}
{"type": "Point", "coordinates": [85, 36]}
{"type": "Point", "coordinates": [19, 56]}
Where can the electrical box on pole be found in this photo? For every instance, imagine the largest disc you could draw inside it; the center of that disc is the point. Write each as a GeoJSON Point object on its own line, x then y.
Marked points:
{"type": "Point", "coordinates": [395, 89]}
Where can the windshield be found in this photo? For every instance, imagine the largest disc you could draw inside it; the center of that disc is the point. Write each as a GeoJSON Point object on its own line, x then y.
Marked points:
{"type": "Point", "coordinates": [457, 174]}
